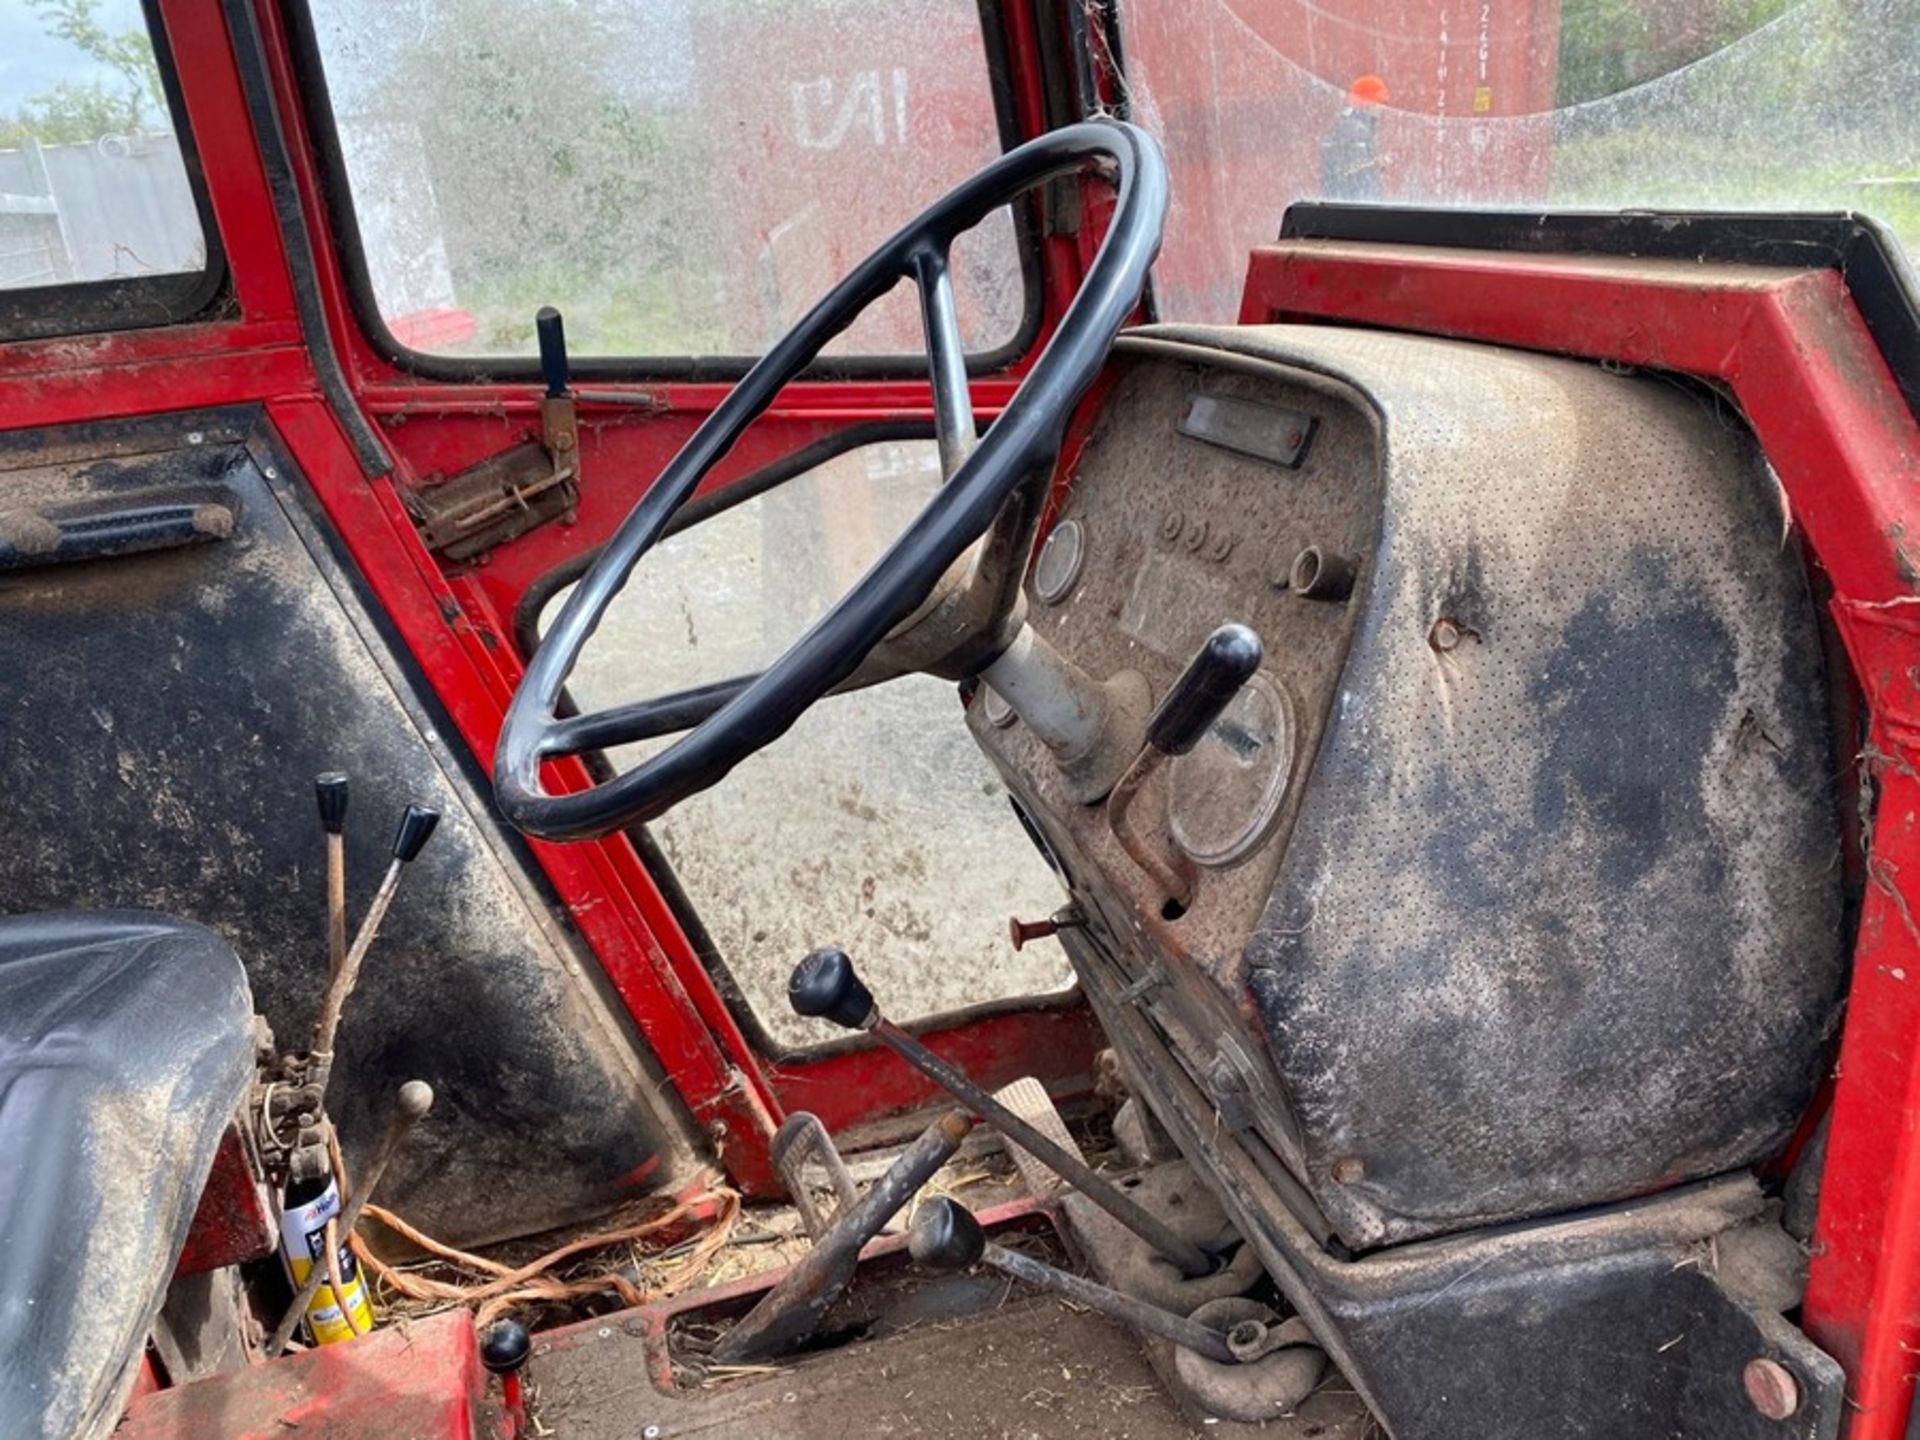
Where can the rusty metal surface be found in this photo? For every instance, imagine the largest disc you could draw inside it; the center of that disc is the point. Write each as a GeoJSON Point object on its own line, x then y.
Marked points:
{"type": "Point", "coordinates": [500, 499]}
{"type": "Point", "coordinates": [168, 715]}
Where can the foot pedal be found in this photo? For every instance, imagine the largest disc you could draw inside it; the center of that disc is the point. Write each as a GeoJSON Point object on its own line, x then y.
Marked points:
{"type": "Point", "coordinates": [1028, 1099]}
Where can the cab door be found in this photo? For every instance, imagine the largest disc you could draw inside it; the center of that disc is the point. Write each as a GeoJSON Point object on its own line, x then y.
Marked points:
{"type": "Point", "coordinates": [679, 183]}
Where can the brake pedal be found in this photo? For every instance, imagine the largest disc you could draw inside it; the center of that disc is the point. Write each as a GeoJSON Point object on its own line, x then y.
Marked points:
{"type": "Point", "coordinates": [1028, 1098]}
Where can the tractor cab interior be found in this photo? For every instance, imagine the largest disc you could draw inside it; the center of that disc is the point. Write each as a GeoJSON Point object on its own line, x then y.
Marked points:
{"type": "Point", "coordinates": [1026, 718]}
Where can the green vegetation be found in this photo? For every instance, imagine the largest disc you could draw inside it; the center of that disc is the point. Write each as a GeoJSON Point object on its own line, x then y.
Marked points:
{"type": "Point", "coordinates": [1740, 104]}
{"type": "Point", "coordinates": [77, 112]}
{"type": "Point", "coordinates": [550, 183]}
{"type": "Point", "coordinates": [1607, 46]}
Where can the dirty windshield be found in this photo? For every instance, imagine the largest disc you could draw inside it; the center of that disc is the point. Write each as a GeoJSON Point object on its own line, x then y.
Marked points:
{"type": "Point", "coordinates": [680, 177]}
{"type": "Point", "coordinates": [1708, 104]}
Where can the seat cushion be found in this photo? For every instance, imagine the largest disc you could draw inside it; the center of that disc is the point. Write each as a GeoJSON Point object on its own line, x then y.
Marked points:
{"type": "Point", "coordinates": [125, 1046]}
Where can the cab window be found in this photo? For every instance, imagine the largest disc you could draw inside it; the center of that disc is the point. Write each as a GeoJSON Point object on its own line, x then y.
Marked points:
{"type": "Point", "coordinates": [680, 180]}
{"type": "Point", "coordinates": [101, 225]}
{"type": "Point", "coordinates": [1588, 104]}
{"type": "Point", "coordinates": [875, 822]}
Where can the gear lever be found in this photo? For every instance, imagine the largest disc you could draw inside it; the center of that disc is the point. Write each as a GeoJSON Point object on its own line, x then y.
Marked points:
{"type": "Point", "coordinates": [946, 1236]}
{"type": "Point", "coordinates": [1229, 658]}
{"type": "Point", "coordinates": [825, 986]}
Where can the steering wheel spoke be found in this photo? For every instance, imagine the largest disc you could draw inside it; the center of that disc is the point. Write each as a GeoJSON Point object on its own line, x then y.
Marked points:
{"type": "Point", "coordinates": [946, 358]}
{"type": "Point", "coordinates": [846, 648]}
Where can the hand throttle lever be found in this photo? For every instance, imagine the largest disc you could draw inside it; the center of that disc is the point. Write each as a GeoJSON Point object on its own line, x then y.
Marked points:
{"type": "Point", "coordinates": [825, 986]}
{"type": "Point", "coordinates": [416, 827]}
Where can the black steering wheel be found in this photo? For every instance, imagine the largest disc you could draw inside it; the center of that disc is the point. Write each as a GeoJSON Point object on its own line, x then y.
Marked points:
{"type": "Point", "coordinates": [735, 718]}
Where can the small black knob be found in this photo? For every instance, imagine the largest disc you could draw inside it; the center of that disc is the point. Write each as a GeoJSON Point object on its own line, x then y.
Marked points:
{"type": "Point", "coordinates": [330, 790]}
{"type": "Point", "coordinates": [945, 1236]}
{"type": "Point", "coordinates": [505, 1346]}
{"type": "Point", "coordinates": [552, 334]}
{"type": "Point", "coordinates": [416, 828]}
{"type": "Point", "coordinates": [826, 987]}
{"type": "Point", "coordinates": [1226, 662]}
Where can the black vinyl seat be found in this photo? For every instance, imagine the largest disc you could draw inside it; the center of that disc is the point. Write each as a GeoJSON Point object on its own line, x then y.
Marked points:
{"type": "Point", "coordinates": [125, 1046]}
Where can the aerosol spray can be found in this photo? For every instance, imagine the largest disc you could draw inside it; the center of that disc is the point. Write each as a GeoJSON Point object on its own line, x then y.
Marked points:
{"type": "Point", "coordinates": [309, 1205]}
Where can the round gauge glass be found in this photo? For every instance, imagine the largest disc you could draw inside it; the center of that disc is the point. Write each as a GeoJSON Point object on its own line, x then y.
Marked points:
{"type": "Point", "coordinates": [1226, 791]}
{"type": "Point", "coordinates": [1061, 558]}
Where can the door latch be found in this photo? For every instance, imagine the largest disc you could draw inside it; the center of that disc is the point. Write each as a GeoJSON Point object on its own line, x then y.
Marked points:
{"type": "Point", "coordinates": [506, 495]}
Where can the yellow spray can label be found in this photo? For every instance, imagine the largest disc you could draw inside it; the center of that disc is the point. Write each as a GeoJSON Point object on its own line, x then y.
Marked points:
{"type": "Point", "coordinates": [303, 1241]}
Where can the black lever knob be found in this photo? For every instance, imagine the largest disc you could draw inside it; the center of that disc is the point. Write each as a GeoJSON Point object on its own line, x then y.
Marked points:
{"type": "Point", "coordinates": [946, 1236]}
{"type": "Point", "coordinates": [416, 828]}
{"type": "Point", "coordinates": [552, 334]}
{"type": "Point", "coordinates": [505, 1347]}
{"type": "Point", "coordinates": [825, 986]}
{"type": "Point", "coordinates": [330, 790]}
{"type": "Point", "coordinates": [1212, 678]}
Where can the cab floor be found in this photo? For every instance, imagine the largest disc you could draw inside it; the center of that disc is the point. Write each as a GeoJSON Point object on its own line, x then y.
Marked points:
{"type": "Point", "coordinates": [1029, 1368]}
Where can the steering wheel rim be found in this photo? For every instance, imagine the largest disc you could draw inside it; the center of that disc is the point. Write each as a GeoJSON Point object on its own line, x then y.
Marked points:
{"type": "Point", "coordinates": [1026, 435]}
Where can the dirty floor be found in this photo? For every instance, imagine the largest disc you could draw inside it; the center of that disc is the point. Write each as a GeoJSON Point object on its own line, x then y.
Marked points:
{"type": "Point", "coordinates": [1032, 1369]}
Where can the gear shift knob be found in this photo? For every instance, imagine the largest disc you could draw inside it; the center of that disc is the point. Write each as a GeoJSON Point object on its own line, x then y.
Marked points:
{"type": "Point", "coordinates": [416, 827]}
{"type": "Point", "coordinates": [330, 790]}
{"type": "Point", "coordinates": [826, 987]}
{"type": "Point", "coordinates": [1212, 678]}
{"type": "Point", "coordinates": [946, 1236]}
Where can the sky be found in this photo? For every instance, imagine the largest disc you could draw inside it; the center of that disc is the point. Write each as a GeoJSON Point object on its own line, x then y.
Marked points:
{"type": "Point", "coordinates": [32, 63]}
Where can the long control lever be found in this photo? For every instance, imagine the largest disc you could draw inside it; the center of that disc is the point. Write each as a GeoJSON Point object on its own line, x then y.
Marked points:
{"type": "Point", "coordinates": [946, 1236]}
{"type": "Point", "coordinates": [330, 790]}
{"type": "Point", "coordinates": [416, 827]}
{"type": "Point", "coordinates": [825, 986]}
{"type": "Point", "coordinates": [789, 1314]}
{"type": "Point", "coordinates": [1230, 657]}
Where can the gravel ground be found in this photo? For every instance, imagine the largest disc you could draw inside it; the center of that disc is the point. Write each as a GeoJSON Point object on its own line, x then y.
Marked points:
{"type": "Point", "coordinates": [875, 823]}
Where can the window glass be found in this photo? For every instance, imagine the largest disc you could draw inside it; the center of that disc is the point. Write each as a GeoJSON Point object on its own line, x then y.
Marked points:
{"type": "Point", "coordinates": [92, 186]}
{"type": "Point", "coordinates": [679, 177]}
{"type": "Point", "coordinates": [1710, 104]}
{"type": "Point", "coordinates": [875, 823]}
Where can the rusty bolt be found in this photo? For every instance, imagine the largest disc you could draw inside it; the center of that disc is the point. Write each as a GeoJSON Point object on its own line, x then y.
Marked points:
{"type": "Point", "coordinates": [1444, 635]}
{"type": "Point", "coordinates": [1772, 1388]}
{"type": "Point", "coordinates": [1171, 527]}
{"type": "Point", "coordinates": [1197, 534]}
{"type": "Point", "coordinates": [1349, 1170]}
{"type": "Point", "coordinates": [1222, 546]}
{"type": "Point", "coordinates": [1021, 931]}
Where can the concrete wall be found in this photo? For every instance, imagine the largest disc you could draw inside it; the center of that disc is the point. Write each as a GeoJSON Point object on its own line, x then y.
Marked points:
{"type": "Point", "coordinates": [116, 208]}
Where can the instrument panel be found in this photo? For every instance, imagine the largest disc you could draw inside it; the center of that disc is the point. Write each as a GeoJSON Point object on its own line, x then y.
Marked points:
{"type": "Point", "coordinates": [1211, 490]}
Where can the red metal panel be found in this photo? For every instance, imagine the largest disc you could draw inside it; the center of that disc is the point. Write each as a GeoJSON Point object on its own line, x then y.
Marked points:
{"type": "Point", "coordinates": [233, 1222]}
{"type": "Point", "coordinates": [853, 1087]}
{"type": "Point", "coordinates": [422, 1380]}
{"type": "Point", "coordinates": [1798, 359]}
